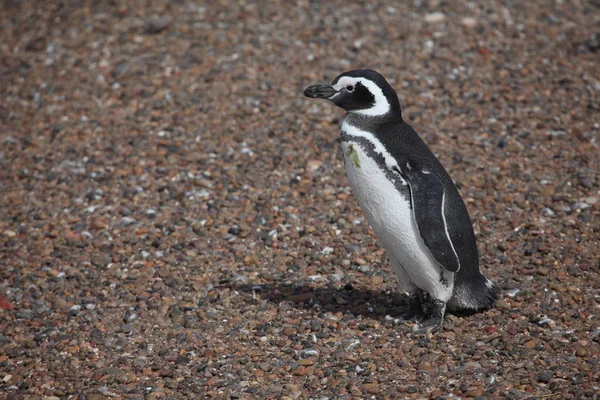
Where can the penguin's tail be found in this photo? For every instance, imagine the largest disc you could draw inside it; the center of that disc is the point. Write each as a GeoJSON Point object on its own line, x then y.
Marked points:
{"type": "Point", "coordinates": [473, 295]}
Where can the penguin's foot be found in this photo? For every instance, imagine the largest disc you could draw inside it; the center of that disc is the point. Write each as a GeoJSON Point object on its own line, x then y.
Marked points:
{"type": "Point", "coordinates": [415, 307]}
{"type": "Point", "coordinates": [433, 317]}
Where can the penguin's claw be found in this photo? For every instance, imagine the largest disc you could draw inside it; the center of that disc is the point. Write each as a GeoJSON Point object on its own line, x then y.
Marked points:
{"type": "Point", "coordinates": [429, 325]}
{"type": "Point", "coordinates": [413, 311]}
{"type": "Point", "coordinates": [433, 317]}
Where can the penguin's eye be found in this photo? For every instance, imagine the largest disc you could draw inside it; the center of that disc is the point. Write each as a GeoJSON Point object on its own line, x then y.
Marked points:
{"type": "Point", "coordinates": [350, 88]}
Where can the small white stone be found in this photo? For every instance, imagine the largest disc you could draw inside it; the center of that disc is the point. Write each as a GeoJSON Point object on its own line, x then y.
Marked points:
{"type": "Point", "coordinates": [557, 133]}
{"type": "Point", "coordinates": [309, 352]}
{"type": "Point", "coordinates": [246, 150]}
{"type": "Point", "coordinates": [548, 212]}
{"type": "Point", "coordinates": [546, 321]}
{"type": "Point", "coordinates": [591, 200]}
{"type": "Point", "coordinates": [469, 22]}
{"type": "Point", "coordinates": [327, 250]}
{"type": "Point", "coordinates": [435, 17]}
{"type": "Point", "coordinates": [126, 221]}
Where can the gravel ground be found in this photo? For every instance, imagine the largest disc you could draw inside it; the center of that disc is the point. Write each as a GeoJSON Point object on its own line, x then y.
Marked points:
{"type": "Point", "coordinates": [176, 222]}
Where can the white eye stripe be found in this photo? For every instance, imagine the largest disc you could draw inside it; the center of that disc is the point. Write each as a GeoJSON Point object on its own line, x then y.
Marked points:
{"type": "Point", "coordinates": [381, 106]}
{"type": "Point", "coordinates": [346, 81]}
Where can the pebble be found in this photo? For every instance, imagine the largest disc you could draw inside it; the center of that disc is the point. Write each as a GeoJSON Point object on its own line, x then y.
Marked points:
{"type": "Point", "coordinates": [74, 310]}
{"type": "Point", "coordinates": [100, 260]}
{"type": "Point", "coordinates": [581, 352]}
{"type": "Point", "coordinates": [25, 314]}
{"type": "Point", "coordinates": [591, 200]}
{"type": "Point", "coordinates": [293, 389]}
{"type": "Point", "coordinates": [435, 17]}
{"type": "Point", "coordinates": [158, 24]}
{"type": "Point", "coordinates": [371, 388]}
{"type": "Point", "coordinates": [545, 321]}
{"type": "Point", "coordinates": [360, 261]}
{"type": "Point", "coordinates": [469, 22]}
{"type": "Point", "coordinates": [473, 365]}
{"type": "Point", "coordinates": [234, 230]}
{"type": "Point", "coordinates": [557, 133]}
{"type": "Point", "coordinates": [545, 377]}
{"type": "Point", "coordinates": [548, 212]}
{"type": "Point", "coordinates": [474, 392]}
{"type": "Point", "coordinates": [502, 304]}
{"type": "Point", "coordinates": [126, 221]}
{"type": "Point", "coordinates": [96, 396]}
{"type": "Point", "coordinates": [309, 352]}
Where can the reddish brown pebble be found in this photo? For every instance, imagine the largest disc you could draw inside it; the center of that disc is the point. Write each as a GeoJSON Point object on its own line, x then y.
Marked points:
{"type": "Point", "coordinates": [371, 388]}
{"type": "Point", "coordinates": [530, 344]}
{"type": "Point", "coordinates": [300, 371]}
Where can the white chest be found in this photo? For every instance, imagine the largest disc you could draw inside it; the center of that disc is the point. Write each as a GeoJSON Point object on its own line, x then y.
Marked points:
{"type": "Point", "coordinates": [387, 210]}
{"type": "Point", "coordinates": [389, 213]}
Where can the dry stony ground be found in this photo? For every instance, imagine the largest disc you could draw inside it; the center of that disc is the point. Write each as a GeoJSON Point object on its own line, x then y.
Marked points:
{"type": "Point", "coordinates": [175, 220]}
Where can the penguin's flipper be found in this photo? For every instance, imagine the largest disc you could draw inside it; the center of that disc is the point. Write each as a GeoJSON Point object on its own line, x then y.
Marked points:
{"type": "Point", "coordinates": [428, 197]}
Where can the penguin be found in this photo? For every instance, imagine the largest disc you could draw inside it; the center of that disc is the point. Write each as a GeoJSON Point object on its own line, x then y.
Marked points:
{"type": "Point", "coordinates": [409, 200]}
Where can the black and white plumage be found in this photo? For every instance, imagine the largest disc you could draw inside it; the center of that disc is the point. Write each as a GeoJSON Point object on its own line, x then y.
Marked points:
{"type": "Point", "coordinates": [408, 198]}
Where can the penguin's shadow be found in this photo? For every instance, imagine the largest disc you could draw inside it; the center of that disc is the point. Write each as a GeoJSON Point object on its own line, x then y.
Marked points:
{"type": "Point", "coordinates": [347, 299]}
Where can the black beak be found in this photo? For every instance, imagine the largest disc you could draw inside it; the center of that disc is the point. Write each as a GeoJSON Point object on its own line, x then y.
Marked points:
{"type": "Point", "coordinates": [320, 91]}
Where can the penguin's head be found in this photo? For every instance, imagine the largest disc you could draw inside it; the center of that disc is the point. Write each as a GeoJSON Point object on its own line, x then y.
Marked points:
{"type": "Point", "coordinates": [360, 91]}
